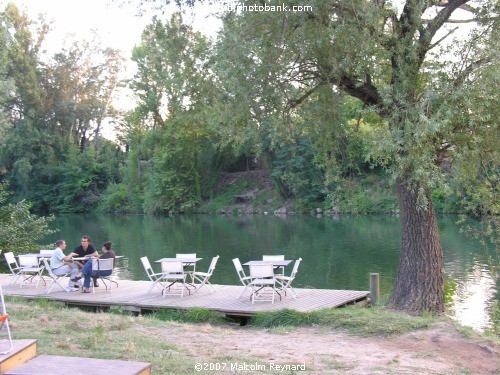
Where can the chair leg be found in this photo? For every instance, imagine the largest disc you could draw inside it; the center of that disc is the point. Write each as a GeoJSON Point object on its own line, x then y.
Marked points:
{"type": "Point", "coordinates": [243, 292]}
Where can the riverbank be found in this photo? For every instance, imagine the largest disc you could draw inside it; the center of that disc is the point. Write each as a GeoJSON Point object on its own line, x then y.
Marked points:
{"type": "Point", "coordinates": [176, 347]}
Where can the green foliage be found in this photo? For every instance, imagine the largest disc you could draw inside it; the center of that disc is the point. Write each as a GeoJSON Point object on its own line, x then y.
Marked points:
{"type": "Point", "coordinates": [19, 228]}
{"type": "Point", "coordinates": [294, 165]}
{"type": "Point", "coordinates": [115, 199]}
{"type": "Point", "coordinates": [226, 198]}
{"type": "Point", "coordinates": [369, 194]}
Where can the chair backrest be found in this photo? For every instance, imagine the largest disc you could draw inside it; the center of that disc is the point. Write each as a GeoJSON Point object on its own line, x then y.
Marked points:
{"type": "Point", "coordinates": [11, 260]}
{"type": "Point", "coordinates": [239, 268]}
{"type": "Point", "coordinates": [172, 266]}
{"type": "Point", "coordinates": [183, 255]}
{"type": "Point", "coordinates": [269, 258]}
{"type": "Point", "coordinates": [46, 252]}
{"type": "Point", "coordinates": [260, 271]}
{"type": "Point", "coordinates": [28, 261]}
{"type": "Point", "coordinates": [213, 263]}
{"type": "Point", "coordinates": [48, 268]}
{"type": "Point", "coordinates": [147, 265]}
{"type": "Point", "coordinates": [102, 264]}
{"type": "Point", "coordinates": [296, 267]}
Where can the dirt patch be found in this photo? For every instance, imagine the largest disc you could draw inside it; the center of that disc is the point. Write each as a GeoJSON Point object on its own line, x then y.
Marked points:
{"type": "Point", "coordinates": [440, 350]}
{"type": "Point", "coordinates": [261, 179]}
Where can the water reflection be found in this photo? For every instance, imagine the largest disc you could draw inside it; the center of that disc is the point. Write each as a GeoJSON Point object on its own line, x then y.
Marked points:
{"type": "Point", "coordinates": [337, 253]}
{"type": "Point", "coordinates": [473, 297]}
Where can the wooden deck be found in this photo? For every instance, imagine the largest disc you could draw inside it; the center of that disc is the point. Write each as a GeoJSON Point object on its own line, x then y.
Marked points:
{"type": "Point", "coordinates": [58, 365]}
{"type": "Point", "coordinates": [131, 295]}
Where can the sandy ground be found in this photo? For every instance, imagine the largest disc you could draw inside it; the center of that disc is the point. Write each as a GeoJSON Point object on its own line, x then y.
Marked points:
{"type": "Point", "coordinates": [441, 350]}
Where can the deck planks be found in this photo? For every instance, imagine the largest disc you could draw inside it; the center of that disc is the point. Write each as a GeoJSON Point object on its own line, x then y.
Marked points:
{"type": "Point", "coordinates": [133, 295]}
{"type": "Point", "coordinates": [59, 365]}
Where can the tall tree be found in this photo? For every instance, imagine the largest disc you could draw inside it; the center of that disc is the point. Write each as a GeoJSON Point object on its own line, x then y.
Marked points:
{"type": "Point", "coordinates": [168, 126]}
{"type": "Point", "coordinates": [80, 81]}
{"type": "Point", "coordinates": [58, 103]}
{"type": "Point", "coordinates": [382, 54]}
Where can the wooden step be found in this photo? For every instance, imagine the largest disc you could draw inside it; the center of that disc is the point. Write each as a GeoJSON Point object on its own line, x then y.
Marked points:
{"type": "Point", "coordinates": [23, 351]}
{"type": "Point", "coordinates": [59, 365]}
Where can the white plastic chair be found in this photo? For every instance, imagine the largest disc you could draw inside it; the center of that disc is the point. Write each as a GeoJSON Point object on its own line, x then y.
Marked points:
{"type": "Point", "coordinates": [173, 273]}
{"type": "Point", "coordinates": [29, 269]}
{"type": "Point", "coordinates": [270, 258]}
{"type": "Point", "coordinates": [193, 269]}
{"type": "Point", "coordinates": [99, 265]}
{"type": "Point", "coordinates": [285, 282]}
{"type": "Point", "coordinates": [55, 278]}
{"type": "Point", "coordinates": [155, 278]}
{"type": "Point", "coordinates": [262, 277]}
{"type": "Point", "coordinates": [245, 280]}
{"type": "Point", "coordinates": [13, 265]}
{"type": "Point", "coordinates": [4, 323]}
{"type": "Point", "coordinates": [203, 277]}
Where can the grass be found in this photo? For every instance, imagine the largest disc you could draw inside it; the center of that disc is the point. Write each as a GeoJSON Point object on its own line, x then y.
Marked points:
{"type": "Point", "coordinates": [154, 338]}
{"type": "Point", "coordinates": [359, 321]}
{"type": "Point", "coordinates": [195, 315]}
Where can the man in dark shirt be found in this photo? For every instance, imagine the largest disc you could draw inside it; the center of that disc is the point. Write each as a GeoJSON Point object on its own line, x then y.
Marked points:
{"type": "Point", "coordinates": [85, 249]}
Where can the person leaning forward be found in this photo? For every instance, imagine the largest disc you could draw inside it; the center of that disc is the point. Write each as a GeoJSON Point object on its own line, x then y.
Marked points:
{"type": "Point", "coordinates": [60, 265]}
{"type": "Point", "coordinates": [89, 273]}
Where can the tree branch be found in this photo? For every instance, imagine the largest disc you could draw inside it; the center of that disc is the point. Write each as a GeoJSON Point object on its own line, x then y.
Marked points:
{"type": "Point", "coordinates": [292, 103]}
{"type": "Point", "coordinates": [443, 38]}
{"type": "Point", "coordinates": [469, 70]}
{"type": "Point", "coordinates": [427, 33]}
{"type": "Point", "coordinates": [367, 92]}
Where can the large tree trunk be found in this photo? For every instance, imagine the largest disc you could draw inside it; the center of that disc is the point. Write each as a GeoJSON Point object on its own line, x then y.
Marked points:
{"type": "Point", "coordinates": [419, 284]}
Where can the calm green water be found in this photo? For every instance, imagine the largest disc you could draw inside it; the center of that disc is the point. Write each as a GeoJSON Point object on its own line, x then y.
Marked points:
{"type": "Point", "coordinates": [337, 253]}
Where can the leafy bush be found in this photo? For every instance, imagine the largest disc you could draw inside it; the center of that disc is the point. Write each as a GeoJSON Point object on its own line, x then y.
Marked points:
{"type": "Point", "coordinates": [19, 228]}
{"type": "Point", "coordinates": [114, 199]}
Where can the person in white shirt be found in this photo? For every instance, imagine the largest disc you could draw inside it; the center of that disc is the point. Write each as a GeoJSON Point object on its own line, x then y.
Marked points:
{"type": "Point", "coordinates": [61, 265]}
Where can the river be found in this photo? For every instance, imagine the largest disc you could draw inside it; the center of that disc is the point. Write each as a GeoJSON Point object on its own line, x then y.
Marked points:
{"type": "Point", "coordinates": [337, 253]}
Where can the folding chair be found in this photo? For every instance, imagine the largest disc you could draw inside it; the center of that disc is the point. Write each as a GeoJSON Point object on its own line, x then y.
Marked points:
{"type": "Point", "coordinates": [203, 277]}
{"type": "Point", "coordinates": [190, 271]}
{"type": "Point", "coordinates": [173, 273]}
{"type": "Point", "coordinates": [45, 254]}
{"type": "Point", "coordinates": [29, 269]}
{"type": "Point", "coordinates": [13, 265]}
{"type": "Point", "coordinates": [262, 277]}
{"type": "Point", "coordinates": [55, 278]}
{"type": "Point", "coordinates": [270, 258]}
{"type": "Point", "coordinates": [155, 278]}
{"type": "Point", "coordinates": [101, 265]}
{"type": "Point", "coordinates": [4, 323]}
{"type": "Point", "coordinates": [285, 282]}
{"type": "Point", "coordinates": [245, 280]}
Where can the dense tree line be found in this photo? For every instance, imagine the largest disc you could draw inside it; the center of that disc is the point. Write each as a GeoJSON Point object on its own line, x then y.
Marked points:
{"type": "Point", "coordinates": [364, 106]}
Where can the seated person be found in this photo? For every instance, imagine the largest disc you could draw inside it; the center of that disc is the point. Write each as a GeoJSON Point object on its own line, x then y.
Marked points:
{"type": "Point", "coordinates": [85, 250]}
{"type": "Point", "coordinates": [87, 268]}
{"type": "Point", "coordinates": [60, 265]}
